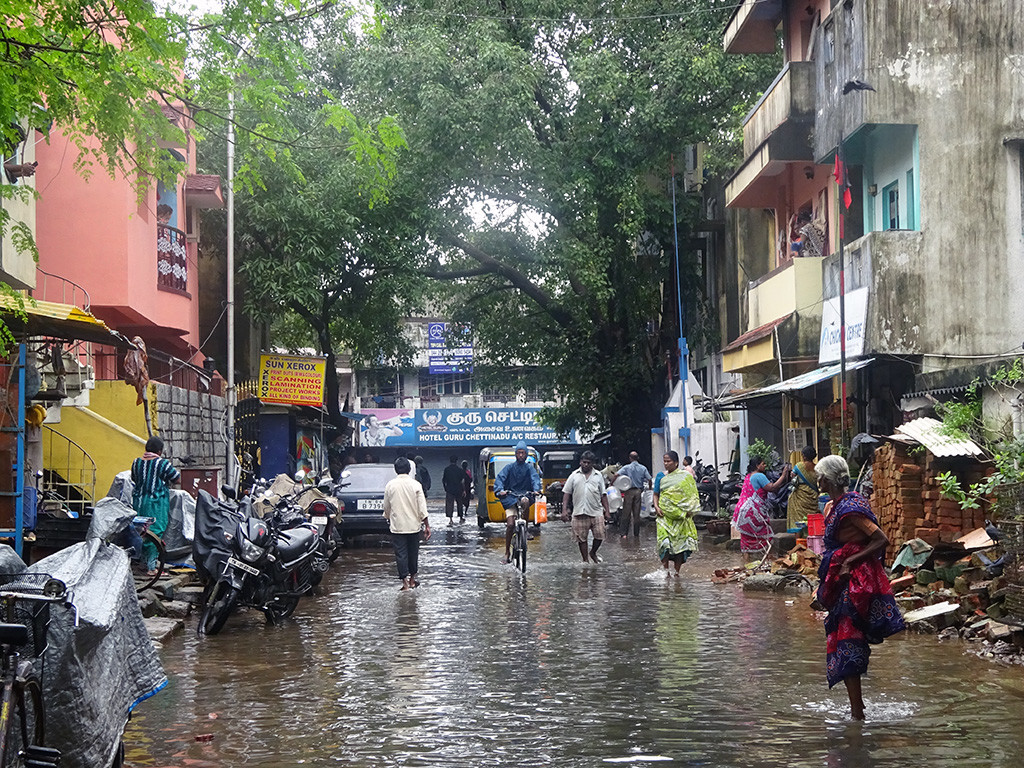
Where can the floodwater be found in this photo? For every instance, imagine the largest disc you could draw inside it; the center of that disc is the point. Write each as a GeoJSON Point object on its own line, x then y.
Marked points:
{"type": "Point", "coordinates": [571, 665]}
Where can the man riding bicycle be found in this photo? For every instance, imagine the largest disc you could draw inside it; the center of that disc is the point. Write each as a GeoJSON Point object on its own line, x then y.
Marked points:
{"type": "Point", "coordinates": [516, 482]}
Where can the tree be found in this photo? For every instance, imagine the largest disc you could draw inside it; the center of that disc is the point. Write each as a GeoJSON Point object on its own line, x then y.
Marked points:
{"type": "Point", "coordinates": [540, 141]}
{"type": "Point", "coordinates": [112, 75]}
{"type": "Point", "coordinates": [313, 246]}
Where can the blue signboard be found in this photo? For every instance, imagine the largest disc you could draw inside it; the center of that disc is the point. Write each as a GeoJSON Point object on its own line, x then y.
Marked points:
{"type": "Point", "coordinates": [455, 427]}
{"type": "Point", "coordinates": [444, 359]}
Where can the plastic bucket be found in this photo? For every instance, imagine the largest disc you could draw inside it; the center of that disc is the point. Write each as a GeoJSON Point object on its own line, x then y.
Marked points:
{"type": "Point", "coordinates": [815, 524]}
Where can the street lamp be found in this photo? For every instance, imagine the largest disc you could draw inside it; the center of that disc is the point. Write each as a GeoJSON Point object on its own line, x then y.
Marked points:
{"type": "Point", "coordinates": [843, 180]}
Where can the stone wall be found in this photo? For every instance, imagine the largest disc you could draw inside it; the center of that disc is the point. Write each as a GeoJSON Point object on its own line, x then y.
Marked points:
{"type": "Point", "coordinates": [191, 424]}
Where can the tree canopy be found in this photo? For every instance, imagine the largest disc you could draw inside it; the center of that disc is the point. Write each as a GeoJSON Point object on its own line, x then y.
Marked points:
{"type": "Point", "coordinates": [541, 138]}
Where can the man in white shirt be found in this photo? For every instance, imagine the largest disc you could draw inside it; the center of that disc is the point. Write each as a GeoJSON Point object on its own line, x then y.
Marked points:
{"type": "Point", "coordinates": [583, 498]}
{"type": "Point", "coordinates": [405, 508]}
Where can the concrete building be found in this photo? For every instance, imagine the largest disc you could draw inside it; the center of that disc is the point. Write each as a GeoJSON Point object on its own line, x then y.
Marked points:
{"type": "Point", "coordinates": [931, 231]}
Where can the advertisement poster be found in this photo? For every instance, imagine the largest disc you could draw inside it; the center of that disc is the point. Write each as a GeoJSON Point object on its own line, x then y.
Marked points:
{"type": "Point", "coordinates": [445, 359]}
{"type": "Point", "coordinates": [856, 321]}
{"type": "Point", "coordinates": [386, 426]}
{"type": "Point", "coordinates": [292, 380]}
{"type": "Point", "coordinates": [455, 427]}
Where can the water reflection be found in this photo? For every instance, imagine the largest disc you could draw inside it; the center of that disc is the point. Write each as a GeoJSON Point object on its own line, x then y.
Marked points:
{"type": "Point", "coordinates": [572, 665]}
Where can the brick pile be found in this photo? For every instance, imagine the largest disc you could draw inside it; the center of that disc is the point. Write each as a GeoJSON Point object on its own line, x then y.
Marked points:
{"type": "Point", "coordinates": [908, 499]}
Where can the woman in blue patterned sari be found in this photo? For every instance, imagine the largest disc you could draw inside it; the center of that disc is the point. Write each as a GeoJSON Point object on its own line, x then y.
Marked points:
{"type": "Point", "coordinates": [854, 588]}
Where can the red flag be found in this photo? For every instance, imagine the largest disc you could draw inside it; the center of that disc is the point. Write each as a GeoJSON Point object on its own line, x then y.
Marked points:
{"type": "Point", "coordinates": [843, 180]}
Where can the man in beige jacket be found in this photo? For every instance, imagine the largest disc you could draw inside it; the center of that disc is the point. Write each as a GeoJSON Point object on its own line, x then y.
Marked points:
{"type": "Point", "coordinates": [405, 508]}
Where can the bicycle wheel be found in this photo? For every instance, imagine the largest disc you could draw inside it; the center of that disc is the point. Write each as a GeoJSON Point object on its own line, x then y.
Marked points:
{"type": "Point", "coordinates": [24, 729]}
{"type": "Point", "coordinates": [161, 554]}
{"type": "Point", "coordinates": [522, 536]}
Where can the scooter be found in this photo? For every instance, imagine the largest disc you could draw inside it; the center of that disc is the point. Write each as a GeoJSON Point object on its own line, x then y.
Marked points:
{"type": "Point", "coordinates": [259, 565]}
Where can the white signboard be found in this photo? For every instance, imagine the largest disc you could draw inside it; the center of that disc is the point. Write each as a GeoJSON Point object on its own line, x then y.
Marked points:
{"type": "Point", "coordinates": [856, 323]}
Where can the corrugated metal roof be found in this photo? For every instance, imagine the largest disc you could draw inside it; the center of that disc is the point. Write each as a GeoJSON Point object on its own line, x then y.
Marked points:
{"type": "Point", "coordinates": [929, 433]}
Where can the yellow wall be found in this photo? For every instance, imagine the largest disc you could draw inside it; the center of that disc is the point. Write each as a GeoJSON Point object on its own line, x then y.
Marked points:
{"type": "Point", "coordinates": [112, 430]}
{"type": "Point", "coordinates": [797, 287]}
{"type": "Point", "coordinates": [760, 351]}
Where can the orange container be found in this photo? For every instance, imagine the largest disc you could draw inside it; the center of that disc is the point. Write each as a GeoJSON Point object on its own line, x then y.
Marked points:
{"type": "Point", "coordinates": [815, 524]}
{"type": "Point", "coordinates": [801, 542]}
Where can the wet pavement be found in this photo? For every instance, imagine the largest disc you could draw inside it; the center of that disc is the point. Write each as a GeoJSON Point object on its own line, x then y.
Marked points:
{"type": "Point", "coordinates": [571, 665]}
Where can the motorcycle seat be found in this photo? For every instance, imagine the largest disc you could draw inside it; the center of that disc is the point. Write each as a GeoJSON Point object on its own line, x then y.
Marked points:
{"type": "Point", "coordinates": [294, 543]}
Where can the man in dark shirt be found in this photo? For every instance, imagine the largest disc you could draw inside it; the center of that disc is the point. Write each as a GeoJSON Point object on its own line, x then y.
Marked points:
{"type": "Point", "coordinates": [454, 484]}
{"type": "Point", "coordinates": [515, 481]}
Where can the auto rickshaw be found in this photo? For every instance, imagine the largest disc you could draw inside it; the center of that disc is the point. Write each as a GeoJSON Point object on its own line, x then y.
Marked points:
{"type": "Point", "coordinates": [556, 466]}
{"type": "Point", "coordinates": [491, 462]}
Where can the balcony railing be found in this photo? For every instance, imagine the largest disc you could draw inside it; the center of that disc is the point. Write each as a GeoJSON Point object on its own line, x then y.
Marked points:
{"type": "Point", "coordinates": [171, 260]}
{"type": "Point", "coordinates": [795, 287]}
{"type": "Point", "coordinates": [60, 290]}
{"type": "Point", "coordinates": [790, 98]}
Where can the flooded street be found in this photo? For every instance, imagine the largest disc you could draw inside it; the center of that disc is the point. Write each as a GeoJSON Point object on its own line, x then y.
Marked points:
{"type": "Point", "coordinates": [573, 665]}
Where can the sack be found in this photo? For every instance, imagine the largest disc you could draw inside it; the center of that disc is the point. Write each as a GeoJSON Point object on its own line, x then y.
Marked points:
{"type": "Point", "coordinates": [540, 510]}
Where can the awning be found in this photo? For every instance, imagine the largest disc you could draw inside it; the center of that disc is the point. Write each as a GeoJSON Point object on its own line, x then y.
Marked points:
{"type": "Point", "coordinates": [58, 321]}
{"type": "Point", "coordinates": [932, 435]}
{"type": "Point", "coordinates": [802, 381]}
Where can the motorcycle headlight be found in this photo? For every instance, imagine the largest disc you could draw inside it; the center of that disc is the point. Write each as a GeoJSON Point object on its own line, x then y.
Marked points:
{"type": "Point", "coordinates": [250, 552]}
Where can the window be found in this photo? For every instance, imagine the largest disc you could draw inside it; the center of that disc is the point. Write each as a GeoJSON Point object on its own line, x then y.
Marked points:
{"type": "Point", "coordinates": [891, 203]}
{"type": "Point", "coordinates": [453, 383]}
{"type": "Point", "coordinates": [829, 52]}
{"type": "Point", "coordinates": [911, 217]}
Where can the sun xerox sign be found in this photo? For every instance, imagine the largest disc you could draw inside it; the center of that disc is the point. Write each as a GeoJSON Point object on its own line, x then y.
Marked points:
{"type": "Point", "coordinates": [856, 322]}
{"type": "Point", "coordinates": [455, 427]}
{"type": "Point", "coordinates": [292, 380]}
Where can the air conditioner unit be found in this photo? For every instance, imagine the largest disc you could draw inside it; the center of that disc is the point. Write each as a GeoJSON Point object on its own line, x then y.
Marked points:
{"type": "Point", "coordinates": [693, 176]}
{"type": "Point", "coordinates": [798, 437]}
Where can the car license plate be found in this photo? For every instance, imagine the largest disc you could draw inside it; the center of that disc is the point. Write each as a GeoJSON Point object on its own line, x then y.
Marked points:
{"type": "Point", "coordinates": [370, 504]}
{"type": "Point", "coordinates": [319, 519]}
{"type": "Point", "coordinates": [243, 566]}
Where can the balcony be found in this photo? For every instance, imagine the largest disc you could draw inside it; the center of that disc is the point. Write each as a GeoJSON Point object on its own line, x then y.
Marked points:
{"type": "Point", "coordinates": [776, 133]}
{"type": "Point", "coordinates": [171, 260]}
{"type": "Point", "coordinates": [784, 304]}
{"type": "Point", "coordinates": [789, 99]}
{"type": "Point", "coordinates": [906, 312]}
{"type": "Point", "coordinates": [752, 27]}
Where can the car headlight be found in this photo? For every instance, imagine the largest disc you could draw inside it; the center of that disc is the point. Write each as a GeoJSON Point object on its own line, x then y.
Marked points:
{"type": "Point", "coordinates": [250, 552]}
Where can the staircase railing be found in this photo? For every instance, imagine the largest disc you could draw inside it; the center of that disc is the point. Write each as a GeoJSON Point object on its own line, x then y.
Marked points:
{"type": "Point", "coordinates": [70, 472]}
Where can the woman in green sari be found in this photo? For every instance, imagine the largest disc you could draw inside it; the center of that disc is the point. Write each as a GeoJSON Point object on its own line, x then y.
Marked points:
{"type": "Point", "coordinates": [675, 503]}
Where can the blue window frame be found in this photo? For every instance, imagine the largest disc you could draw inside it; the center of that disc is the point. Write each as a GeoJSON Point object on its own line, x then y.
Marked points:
{"type": "Point", "coordinates": [911, 212]}
{"type": "Point", "coordinates": [891, 206]}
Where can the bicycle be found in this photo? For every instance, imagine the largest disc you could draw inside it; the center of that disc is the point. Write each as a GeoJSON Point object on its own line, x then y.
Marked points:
{"type": "Point", "coordinates": [520, 535]}
{"type": "Point", "coordinates": [26, 600]}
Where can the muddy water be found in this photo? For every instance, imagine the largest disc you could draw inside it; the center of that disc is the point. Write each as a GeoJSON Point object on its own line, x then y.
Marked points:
{"type": "Point", "coordinates": [572, 666]}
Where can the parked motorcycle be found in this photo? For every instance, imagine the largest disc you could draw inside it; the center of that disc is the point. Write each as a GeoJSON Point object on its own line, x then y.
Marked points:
{"type": "Point", "coordinates": [253, 564]}
{"type": "Point", "coordinates": [709, 484]}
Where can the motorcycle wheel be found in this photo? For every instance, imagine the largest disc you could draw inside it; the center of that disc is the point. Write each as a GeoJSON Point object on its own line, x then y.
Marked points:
{"type": "Point", "coordinates": [219, 605]}
{"type": "Point", "coordinates": [280, 609]}
{"type": "Point", "coordinates": [336, 553]}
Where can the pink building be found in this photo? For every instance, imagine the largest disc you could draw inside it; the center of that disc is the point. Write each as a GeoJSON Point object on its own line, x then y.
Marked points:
{"type": "Point", "coordinates": [140, 274]}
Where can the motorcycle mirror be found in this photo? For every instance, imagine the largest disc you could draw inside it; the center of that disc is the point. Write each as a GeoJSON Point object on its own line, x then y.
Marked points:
{"type": "Point", "coordinates": [228, 491]}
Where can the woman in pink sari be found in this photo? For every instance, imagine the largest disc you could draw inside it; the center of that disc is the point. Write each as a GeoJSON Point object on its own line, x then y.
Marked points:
{"type": "Point", "coordinates": [751, 515]}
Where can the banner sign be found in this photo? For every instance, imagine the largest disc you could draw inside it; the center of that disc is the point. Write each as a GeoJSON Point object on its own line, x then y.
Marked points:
{"type": "Point", "coordinates": [441, 358]}
{"type": "Point", "coordinates": [292, 380]}
{"type": "Point", "coordinates": [856, 322]}
{"type": "Point", "coordinates": [455, 427]}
